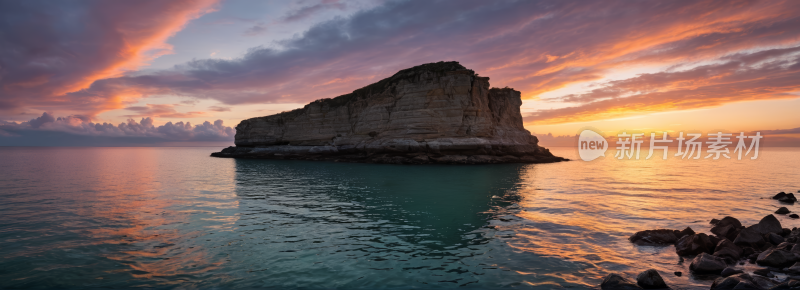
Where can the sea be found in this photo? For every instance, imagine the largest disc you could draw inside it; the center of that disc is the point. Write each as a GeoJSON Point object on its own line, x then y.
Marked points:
{"type": "Point", "coordinates": [176, 218]}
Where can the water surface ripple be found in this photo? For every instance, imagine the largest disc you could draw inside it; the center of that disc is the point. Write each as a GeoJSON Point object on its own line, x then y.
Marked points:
{"type": "Point", "coordinates": [176, 218]}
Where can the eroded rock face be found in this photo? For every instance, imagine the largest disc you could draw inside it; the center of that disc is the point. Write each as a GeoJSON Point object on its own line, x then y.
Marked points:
{"type": "Point", "coordinates": [437, 109]}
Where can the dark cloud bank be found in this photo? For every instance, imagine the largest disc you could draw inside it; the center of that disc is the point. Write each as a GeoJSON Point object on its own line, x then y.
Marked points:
{"type": "Point", "coordinates": [48, 130]}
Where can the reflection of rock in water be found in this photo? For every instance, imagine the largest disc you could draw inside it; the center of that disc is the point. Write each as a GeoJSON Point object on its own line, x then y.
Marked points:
{"type": "Point", "coordinates": [431, 206]}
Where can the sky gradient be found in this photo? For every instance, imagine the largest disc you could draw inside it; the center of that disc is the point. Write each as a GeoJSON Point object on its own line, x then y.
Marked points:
{"type": "Point", "coordinates": [186, 72]}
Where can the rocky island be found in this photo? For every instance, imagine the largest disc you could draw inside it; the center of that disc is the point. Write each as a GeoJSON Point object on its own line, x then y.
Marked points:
{"type": "Point", "coordinates": [432, 113]}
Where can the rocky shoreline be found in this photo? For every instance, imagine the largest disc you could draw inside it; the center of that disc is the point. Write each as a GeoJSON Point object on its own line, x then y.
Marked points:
{"type": "Point", "coordinates": [722, 255]}
{"type": "Point", "coordinates": [277, 153]}
{"type": "Point", "coordinates": [432, 113]}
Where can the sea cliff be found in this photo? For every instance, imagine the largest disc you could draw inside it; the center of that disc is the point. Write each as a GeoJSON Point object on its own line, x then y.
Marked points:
{"type": "Point", "coordinates": [433, 113]}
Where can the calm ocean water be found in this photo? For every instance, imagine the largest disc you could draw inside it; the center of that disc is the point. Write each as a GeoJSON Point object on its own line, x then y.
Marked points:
{"type": "Point", "coordinates": [176, 218]}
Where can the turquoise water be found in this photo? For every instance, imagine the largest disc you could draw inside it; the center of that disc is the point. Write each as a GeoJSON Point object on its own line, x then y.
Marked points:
{"type": "Point", "coordinates": [176, 218]}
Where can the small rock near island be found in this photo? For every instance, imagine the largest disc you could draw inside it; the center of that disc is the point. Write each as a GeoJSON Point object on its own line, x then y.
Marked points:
{"type": "Point", "coordinates": [730, 271]}
{"type": "Point", "coordinates": [694, 244]}
{"type": "Point", "coordinates": [764, 272]}
{"type": "Point", "coordinates": [654, 237]}
{"type": "Point", "coordinates": [794, 216]}
{"type": "Point", "coordinates": [779, 195]}
{"type": "Point", "coordinates": [776, 258]}
{"type": "Point", "coordinates": [726, 249]}
{"type": "Point", "coordinates": [775, 239]}
{"type": "Point", "coordinates": [685, 232]}
{"type": "Point", "coordinates": [769, 224]}
{"type": "Point", "coordinates": [650, 279]}
{"type": "Point", "coordinates": [707, 264]}
{"type": "Point", "coordinates": [749, 237]}
{"type": "Point", "coordinates": [788, 198]}
{"type": "Point", "coordinates": [782, 210]}
{"type": "Point", "coordinates": [614, 281]}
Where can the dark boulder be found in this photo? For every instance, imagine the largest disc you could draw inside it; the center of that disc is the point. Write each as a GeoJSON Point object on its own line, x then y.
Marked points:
{"type": "Point", "coordinates": [678, 274]}
{"type": "Point", "coordinates": [732, 221]}
{"type": "Point", "coordinates": [776, 258]}
{"type": "Point", "coordinates": [650, 279]}
{"type": "Point", "coordinates": [685, 232]}
{"type": "Point", "coordinates": [713, 221]}
{"type": "Point", "coordinates": [728, 228]}
{"type": "Point", "coordinates": [764, 272]}
{"type": "Point", "coordinates": [779, 195]}
{"type": "Point", "coordinates": [794, 216]}
{"type": "Point", "coordinates": [774, 238]}
{"type": "Point", "coordinates": [739, 281]}
{"type": "Point", "coordinates": [614, 281]}
{"type": "Point", "coordinates": [730, 271]}
{"type": "Point", "coordinates": [694, 244]}
{"type": "Point", "coordinates": [794, 268]}
{"type": "Point", "coordinates": [769, 224]}
{"type": "Point", "coordinates": [749, 237]}
{"type": "Point", "coordinates": [788, 198]}
{"type": "Point", "coordinates": [782, 210]}
{"type": "Point", "coordinates": [729, 232]}
{"type": "Point", "coordinates": [654, 237]}
{"type": "Point", "coordinates": [707, 264]}
{"type": "Point", "coordinates": [728, 250]}
{"type": "Point", "coordinates": [785, 246]}
{"type": "Point", "coordinates": [786, 232]}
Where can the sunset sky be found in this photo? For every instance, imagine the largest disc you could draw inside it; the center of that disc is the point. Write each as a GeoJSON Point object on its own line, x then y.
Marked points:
{"type": "Point", "coordinates": [185, 72]}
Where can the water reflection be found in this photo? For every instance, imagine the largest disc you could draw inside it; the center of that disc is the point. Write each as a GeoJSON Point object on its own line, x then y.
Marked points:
{"type": "Point", "coordinates": [361, 225]}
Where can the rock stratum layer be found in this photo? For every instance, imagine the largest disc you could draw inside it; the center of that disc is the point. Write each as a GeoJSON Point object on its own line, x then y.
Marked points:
{"type": "Point", "coordinates": [432, 113]}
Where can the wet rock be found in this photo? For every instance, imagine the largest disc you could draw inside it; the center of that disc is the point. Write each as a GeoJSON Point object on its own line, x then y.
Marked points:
{"type": "Point", "coordinates": [794, 268]}
{"type": "Point", "coordinates": [729, 232]}
{"type": "Point", "coordinates": [749, 237]}
{"type": "Point", "coordinates": [782, 210]}
{"type": "Point", "coordinates": [730, 271]}
{"type": "Point", "coordinates": [794, 216]}
{"type": "Point", "coordinates": [728, 228]}
{"type": "Point", "coordinates": [774, 238]}
{"type": "Point", "coordinates": [707, 264]}
{"type": "Point", "coordinates": [767, 246]}
{"type": "Point", "coordinates": [786, 232]}
{"type": "Point", "coordinates": [726, 221]}
{"type": "Point", "coordinates": [776, 258]}
{"type": "Point", "coordinates": [788, 198]}
{"type": "Point", "coordinates": [769, 224]}
{"type": "Point", "coordinates": [779, 195]}
{"type": "Point", "coordinates": [763, 282]}
{"type": "Point", "coordinates": [614, 281]}
{"type": "Point", "coordinates": [650, 279]}
{"type": "Point", "coordinates": [678, 274]}
{"type": "Point", "coordinates": [728, 250]}
{"type": "Point", "coordinates": [694, 244]}
{"type": "Point", "coordinates": [764, 272]}
{"type": "Point", "coordinates": [785, 246]}
{"type": "Point", "coordinates": [714, 221]}
{"type": "Point", "coordinates": [685, 232]}
{"type": "Point", "coordinates": [740, 281]}
{"type": "Point", "coordinates": [654, 237]}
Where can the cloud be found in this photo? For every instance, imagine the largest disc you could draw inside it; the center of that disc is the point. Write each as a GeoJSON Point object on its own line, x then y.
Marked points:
{"type": "Point", "coordinates": [768, 74]}
{"type": "Point", "coordinates": [219, 109]}
{"type": "Point", "coordinates": [162, 111]}
{"type": "Point", "coordinates": [77, 127]}
{"type": "Point", "coordinates": [307, 11]}
{"type": "Point", "coordinates": [257, 29]}
{"type": "Point", "coordinates": [49, 49]}
{"type": "Point", "coordinates": [533, 46]}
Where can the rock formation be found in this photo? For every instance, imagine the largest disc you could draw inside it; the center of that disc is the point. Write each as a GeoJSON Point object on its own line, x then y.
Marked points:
{"type": "Point", "coordinates": [432, 113]}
